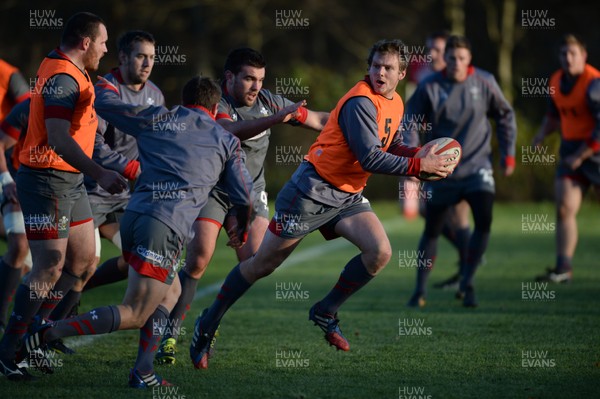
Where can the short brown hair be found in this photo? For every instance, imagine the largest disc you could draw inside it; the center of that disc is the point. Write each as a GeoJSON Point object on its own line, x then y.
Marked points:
{"type": "Point", "coordinates": [80, 25]}
{"type": "Point", "coordinates": [571, 38]}
{"type": "Point", "coordinates": [394, 46]}
{"type": "Point", "coordinates": [456, 41]}
{"type": "Point", "coordinates": [201, 91]}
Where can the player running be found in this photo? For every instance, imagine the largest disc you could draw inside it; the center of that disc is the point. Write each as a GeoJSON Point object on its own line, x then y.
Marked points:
{"type": "Point", "coordinates": [247, 110]}
{"type": "Point", "coordinates": [182, 163]}
{"type": "Point", "coordinates": [325, 193]}
{"type": "Point", "coordinates": [575, 111]}
{"type": "Point", "coordinates": [469, 96]}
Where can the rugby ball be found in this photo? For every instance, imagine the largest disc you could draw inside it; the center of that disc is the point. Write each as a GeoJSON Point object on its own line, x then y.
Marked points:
{"type": "Point", "coordinates": [446, 146]}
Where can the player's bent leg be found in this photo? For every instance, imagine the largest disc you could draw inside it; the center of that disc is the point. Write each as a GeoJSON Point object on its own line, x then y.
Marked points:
{"type": "Point", "coordinates": [199, 253]}
{"type": "Point", "coordinates": [202, 247]}
{"type": "Point", "coordinates": [366, 232]}
{"type": "Point", "coordinates": [271, 253]}
{"type": "Point", "coordinates": [255, 238]}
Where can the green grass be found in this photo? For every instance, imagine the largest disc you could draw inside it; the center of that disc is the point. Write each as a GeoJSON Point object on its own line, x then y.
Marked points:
{"type": "Point", "coordinates": [461, 353]}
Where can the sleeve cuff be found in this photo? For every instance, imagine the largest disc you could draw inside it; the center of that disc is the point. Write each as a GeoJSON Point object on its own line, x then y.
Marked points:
{"type": "Point", "coordinates": [509, 161]}
{"type": "Point", "coordinates": [414, 167]}
{"type": "Point", "coordinates": [593, 144]}
{"type": "Point", "coordinates": [303, 115]}
{"type": "Point", "coordinates": [131, 169]}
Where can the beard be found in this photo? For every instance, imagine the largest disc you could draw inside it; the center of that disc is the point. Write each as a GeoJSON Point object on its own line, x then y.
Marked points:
{"type": "Point", "coordinates": [91, 63]}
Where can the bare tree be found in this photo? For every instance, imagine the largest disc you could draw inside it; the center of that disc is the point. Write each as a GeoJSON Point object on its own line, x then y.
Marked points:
{"type": "Point", "coordinates": [504, 37]}
{"type": "Point", "coordinates": [454, 10]}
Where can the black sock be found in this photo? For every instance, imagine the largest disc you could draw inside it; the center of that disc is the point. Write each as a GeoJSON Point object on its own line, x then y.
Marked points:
{"type": "Point", "coordinates": [188, 290]}
{"type": "Point", "coordinates": [9, 280]}
{"type": "Point", "coordinates": [233, 288]}
{"type": "Point", "coordinates": [353, 277]}
{"type": "Point", "coordinates": [26, 306]}
{"type": "Point", "coordinates": [477, 247]}
{"type": "Point", "coordinates": [106, 273]}
{"type": "Point", "coordinates": [563, 263]}
{"type": "Point", "coordinates": [427, 253]}
{"type": "Point", "coordinates": [462, 243]}
{"type": "Point", "coordinates": [57, 293]}
{"type": "Point", "coordinates": [65, 305]}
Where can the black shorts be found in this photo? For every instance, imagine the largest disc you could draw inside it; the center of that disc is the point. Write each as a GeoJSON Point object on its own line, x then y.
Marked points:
{"type": "Point", "coordinates": [452, 191]}
{"type": "Point", "coordinates": [589, 171]}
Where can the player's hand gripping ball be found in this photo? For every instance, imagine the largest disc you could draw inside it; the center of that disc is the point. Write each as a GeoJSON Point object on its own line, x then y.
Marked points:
{"type": "Point", "coordinates": [446, 146]}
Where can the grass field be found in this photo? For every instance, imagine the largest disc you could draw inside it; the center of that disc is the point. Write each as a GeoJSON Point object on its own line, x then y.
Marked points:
{"type": "Point", "coordinates": [509, 347]}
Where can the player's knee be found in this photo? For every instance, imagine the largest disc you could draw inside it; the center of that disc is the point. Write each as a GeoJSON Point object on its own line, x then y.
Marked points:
{"type": "Point", "coordinates": [52, 259]}
{"type": "Point", "coordinates": [565, 211]}
{"type": "Point", "coordinates": [195, 266]}
{"type": "Point", "coordinates": [378, 257]}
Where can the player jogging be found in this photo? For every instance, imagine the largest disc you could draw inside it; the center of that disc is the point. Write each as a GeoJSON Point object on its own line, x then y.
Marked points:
{"type": "Point", "coordinates": [457, 102]}
{"type": "Point", "coordinates": [575, 111]}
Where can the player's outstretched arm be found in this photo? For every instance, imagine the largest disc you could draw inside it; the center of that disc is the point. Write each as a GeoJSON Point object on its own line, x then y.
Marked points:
{"type": "Point", "coordinates": [315, 120]}
{"type": "Point", "coordinates": [249, 128]}
{"type": "Point", "coordinates": [129, 118]}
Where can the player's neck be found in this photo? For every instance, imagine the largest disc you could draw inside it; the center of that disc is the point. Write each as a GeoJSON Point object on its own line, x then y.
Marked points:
{"type": "Point", "coordinates": [75, 56]}
{"type": "Point", "coordinates": [127, 82]}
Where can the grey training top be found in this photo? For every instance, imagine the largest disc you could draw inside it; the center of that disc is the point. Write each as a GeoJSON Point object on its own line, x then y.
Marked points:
{"type": "Point", "coordinates": [184, 152]}
{"type": "Point", "coordinates": [441, 107]}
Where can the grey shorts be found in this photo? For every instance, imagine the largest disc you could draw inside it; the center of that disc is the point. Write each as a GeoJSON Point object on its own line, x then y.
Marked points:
{"type": "Point", "coordinates": [52, 201]}
{"type": "Point", "coordinates": [105, 212]}
{"type": "Point", "coordinates": [150, 246]}
{"type": "Point", "coordinates": [297, 215]}
{"type": "Point", "coordinates": [218, 206]}
{"type": "Point", "coordinates": [452, 191]}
